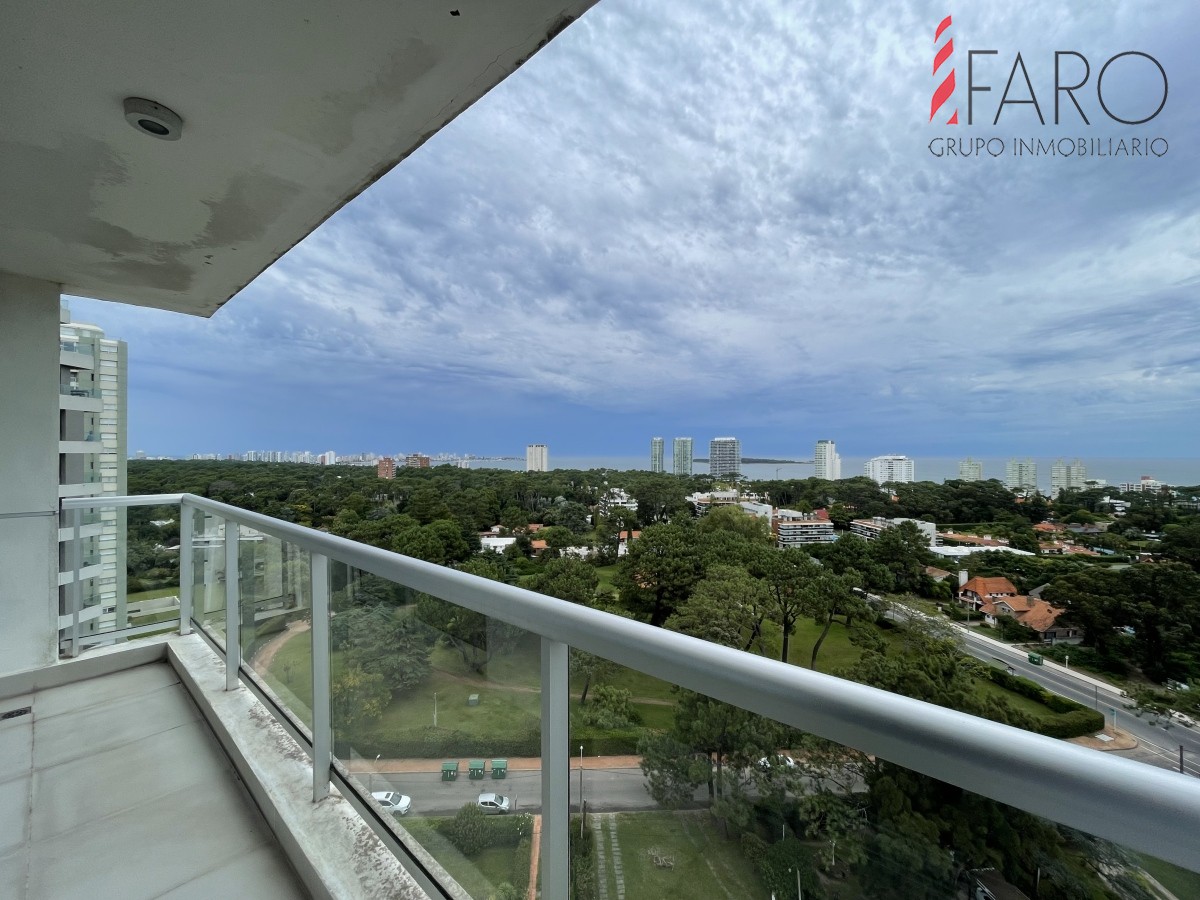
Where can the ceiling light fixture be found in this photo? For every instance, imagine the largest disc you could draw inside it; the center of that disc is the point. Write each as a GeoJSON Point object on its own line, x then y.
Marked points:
{"type": "Point", "coordinates": [153, 119]}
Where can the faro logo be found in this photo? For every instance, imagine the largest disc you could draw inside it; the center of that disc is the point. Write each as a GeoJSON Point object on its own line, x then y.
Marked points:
{"type": "Point", "coordinates": [1072, 74]}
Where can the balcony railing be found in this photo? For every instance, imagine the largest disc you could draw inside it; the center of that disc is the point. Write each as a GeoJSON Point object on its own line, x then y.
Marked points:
{"type": "Point", "coordinates": [75, 390]}
{"type": "Point", "coordinates": [261, 589]}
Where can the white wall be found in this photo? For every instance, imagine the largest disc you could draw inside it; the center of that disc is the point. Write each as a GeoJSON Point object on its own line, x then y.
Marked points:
{"type": "Point", "coordinates": [28, 472]}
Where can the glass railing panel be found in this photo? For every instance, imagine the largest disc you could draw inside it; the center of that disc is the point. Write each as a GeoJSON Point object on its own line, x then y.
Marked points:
{"type": "Point", "coordinates": [436, 712]}
{"type": "Point", "coordinates": [75, 390]}
{"type": "Point", "coordinates": [720, 802]}
{"type": "Point", "coordinates": [208, 574]}
{"type": "Point", "coordinates": [276, 618]}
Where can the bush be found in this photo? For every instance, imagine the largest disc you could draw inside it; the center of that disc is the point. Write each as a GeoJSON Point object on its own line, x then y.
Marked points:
{"type": "Point", "coordinates": [956, 613]}
{"type": "Point", "coordinates": [1073, 724]}
{"type": "Point", "coordinates": [780, 863]}
{"type": "Point", "coordinates": [583, 863]}
{"type": "Point", "coordinates": [472, 830]}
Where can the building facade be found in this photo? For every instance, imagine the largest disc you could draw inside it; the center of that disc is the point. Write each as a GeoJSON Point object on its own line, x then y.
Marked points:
{"type": "Point", "coordinates": [890, 469]}
{"type": "Point", "coordinates": [870, 529]}
{"type": "Point", "coordinates": [681, 456]}
{"type": "Point", "coordinates": [725, 457]}
{"type": "Point", "coordinates": [386, 468]}
{"type": "Point", "coordinates": [537, 458]}
{"type": "Point", "coordinates": [826, 462]}
{"type": "Point", "coordinates": [1066, 476]}
{"type": "Point", "coordinates": [793, 528]}
{"type": "Point", "coordinates": [656, 454]}
{"type": "Point", "coordinates": [416, 461]}
{"type": "Point", "coordinates": [1020, 475]}
{"type": "Point", "coordinates": [92, 462]}
{"type": "Point", "coordinates": [970, 470]}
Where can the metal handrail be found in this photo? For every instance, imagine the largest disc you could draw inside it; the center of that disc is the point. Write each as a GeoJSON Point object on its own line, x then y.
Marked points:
{"type": "Point", "coordinates": [1149, 809]}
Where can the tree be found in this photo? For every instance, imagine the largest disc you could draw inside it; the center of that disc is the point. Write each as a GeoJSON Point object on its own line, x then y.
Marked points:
{"type": "Point", "coordinates": [786, 574]}
{"type": "Point", "coordinates": [476, 637]}
{"type": "Point", "coordinates": [659, 571]}
{"type": "Point", "coordinates": [358, 697]}
{"type": "Point", "coordinates": [383, 640]}
{"type": "Point", "coordinates": [827, 597]}
{"type": "Point", "coordinates": [568, 579]}
{"type": "Point", "coordinates": [734, 519]}
{"type": "Point", "coordinates": [904, 551]}
{"type": "Point", "coordinates": [727, 607]}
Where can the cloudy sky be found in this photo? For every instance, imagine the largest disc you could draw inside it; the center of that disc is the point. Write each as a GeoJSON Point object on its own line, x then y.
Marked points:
{"type": "Point", "coordinates": [710, 218]}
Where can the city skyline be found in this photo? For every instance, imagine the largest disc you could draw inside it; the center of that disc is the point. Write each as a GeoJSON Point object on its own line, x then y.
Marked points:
{"type": "Point", "coordinates": [513, 279]}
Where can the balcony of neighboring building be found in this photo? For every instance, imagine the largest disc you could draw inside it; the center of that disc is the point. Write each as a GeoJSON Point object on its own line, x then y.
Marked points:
{"type": "Point", "coordinates": [76, 354]}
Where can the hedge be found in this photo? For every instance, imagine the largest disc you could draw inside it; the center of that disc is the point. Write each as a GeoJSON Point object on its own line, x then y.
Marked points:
{"type": "Point", "coordinates": [428, 742]}
{"type": "Point", "coordinates": [1072, 719]}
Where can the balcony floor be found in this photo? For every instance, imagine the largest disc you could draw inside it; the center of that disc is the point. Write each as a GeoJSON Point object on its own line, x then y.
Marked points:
{"type": "Point", "coordinates": [116, 787]}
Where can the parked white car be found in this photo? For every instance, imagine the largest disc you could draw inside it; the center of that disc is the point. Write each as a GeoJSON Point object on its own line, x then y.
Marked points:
{"type": "Point", "coordinates": [779, 761]}
{"type": "Point", "coordinates": [493, 803]}
{"type": "Point", "coordinates": [396, 804]}
{"type": "Point", "coordinates": [1182, 719]}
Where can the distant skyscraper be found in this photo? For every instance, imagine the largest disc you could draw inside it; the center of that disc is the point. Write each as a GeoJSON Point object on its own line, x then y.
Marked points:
{"type": "Point", "coordinates": [681, 456]}
{"type": "Point", "coordinates": [889, 469]}
{"type": "Point", "coordinates": [826, 462]}
{"type": "Point", "coordinates": [537, 458]}
{"type": "Point", "coordinates": [1067, 477]}
{"type": "Point", "coordinates": [1020, 475]}
{"type": "Point", "coordinates": [724, 457]}
{"type": "Point", "coordinates": [970, 470]}
{"type": "Point", "coordinates": [656, 454]}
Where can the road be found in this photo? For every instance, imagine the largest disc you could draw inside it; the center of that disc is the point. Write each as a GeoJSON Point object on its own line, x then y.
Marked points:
{"type": "Point", "coordinates": [1158, 742]}
{"type": "Point", "coordinates": [606, 790]}
{"type": "Point", "coordinates": [1157, 745]}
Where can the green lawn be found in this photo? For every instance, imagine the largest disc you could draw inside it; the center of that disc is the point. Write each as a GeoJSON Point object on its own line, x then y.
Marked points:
{"type": "Point", "coordinates": [1017, 701]}
{"type": "Point", "coordinates": [605, 574]}
{"type": "Point", "coordinates": [479, 875]}
{"type": "Point", "coordinates": [1179, 882]}
{"type": "Point", "coordinates": [705, 864]}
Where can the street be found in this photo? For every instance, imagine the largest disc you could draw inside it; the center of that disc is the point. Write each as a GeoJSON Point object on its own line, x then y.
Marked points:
{"type": "Point", "coordinates": [604, 789]}
{"type": "Point", "coordinates": [1157, 745]}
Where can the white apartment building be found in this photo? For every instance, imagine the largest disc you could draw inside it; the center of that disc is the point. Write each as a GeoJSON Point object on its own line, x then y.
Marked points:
{"type": "Point", "coordinates": [681, 456]}
{"type": "Point", "coordinates": [793, 528]}
{"type": "Point", "coordinates": [827, 463]}
{"type": "Point", "coordinates": [870, 529]}
{"type": "Point", "coordinates": [656, 454]}
{"type": "Point", "coordinates": [970, 470]}
{"type": "Point", "coordinates": [1066, 476]}
{"type": "Point", "coordinates": [1021, 475]}
{"type": "Point", "coordinates": [724, 457]}
{"type": "Point", "coordinates": [537, 458]}
{"type": "Point", "coordinates": [890, 469]}
{"type": "Point", "coordinates": [92, 462]}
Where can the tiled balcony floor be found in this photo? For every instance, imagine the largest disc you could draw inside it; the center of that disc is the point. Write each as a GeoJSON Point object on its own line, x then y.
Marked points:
{"type": "Point", "coordinates": [115, 787]}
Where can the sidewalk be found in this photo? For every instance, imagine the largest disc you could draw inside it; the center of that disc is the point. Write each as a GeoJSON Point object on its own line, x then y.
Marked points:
{"type": "Point", "coordinates": [1121, 740]}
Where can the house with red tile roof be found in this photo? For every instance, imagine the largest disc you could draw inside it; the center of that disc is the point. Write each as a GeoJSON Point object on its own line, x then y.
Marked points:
{"type": "Point", "coordinates": [979, 590]}
{"type": "Point", "coordinates": [1033, 613]}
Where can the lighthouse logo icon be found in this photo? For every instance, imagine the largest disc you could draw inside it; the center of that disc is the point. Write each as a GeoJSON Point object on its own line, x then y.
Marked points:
{"type": "Point", "coordinates": [945, 89]}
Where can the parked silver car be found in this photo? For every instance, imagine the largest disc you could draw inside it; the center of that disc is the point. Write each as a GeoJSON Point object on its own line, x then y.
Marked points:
{"type": "Point", "coordinates": [396, 804]}
{"type": "Point", "coordinates": [493, 803]}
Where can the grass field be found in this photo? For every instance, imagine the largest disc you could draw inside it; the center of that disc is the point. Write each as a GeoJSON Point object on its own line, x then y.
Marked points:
{"type": "Point", "coordinates": [704, 863]}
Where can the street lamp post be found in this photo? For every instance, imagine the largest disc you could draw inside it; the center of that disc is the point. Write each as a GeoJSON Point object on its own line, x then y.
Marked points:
{"type": "Point", "coordinates": [371, 780]}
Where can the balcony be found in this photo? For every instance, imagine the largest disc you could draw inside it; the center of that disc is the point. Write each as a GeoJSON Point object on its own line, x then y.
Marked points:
{"type": "Point", "coordinates": [77, 355]}
{"type": "Point", "coordinates": [279, 610]}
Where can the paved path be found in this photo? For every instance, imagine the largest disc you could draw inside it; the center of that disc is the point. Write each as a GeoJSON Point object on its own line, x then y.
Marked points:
{"type": "Point", "coordinates": [535, 855]}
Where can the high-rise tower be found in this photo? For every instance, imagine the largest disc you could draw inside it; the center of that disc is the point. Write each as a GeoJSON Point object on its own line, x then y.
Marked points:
{"type": "Point", "coordinates": [724, 457]}
{"type": "Point", "coordinates": [656, 454]}
{"type": "Point", "coordinates": [826, 462]}
{"type": "Point", "coordinates": [681, 456]}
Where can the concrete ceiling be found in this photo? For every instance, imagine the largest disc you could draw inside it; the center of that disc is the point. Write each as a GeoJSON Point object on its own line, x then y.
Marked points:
{"type": "Point", "coordinates": [290, 109]}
